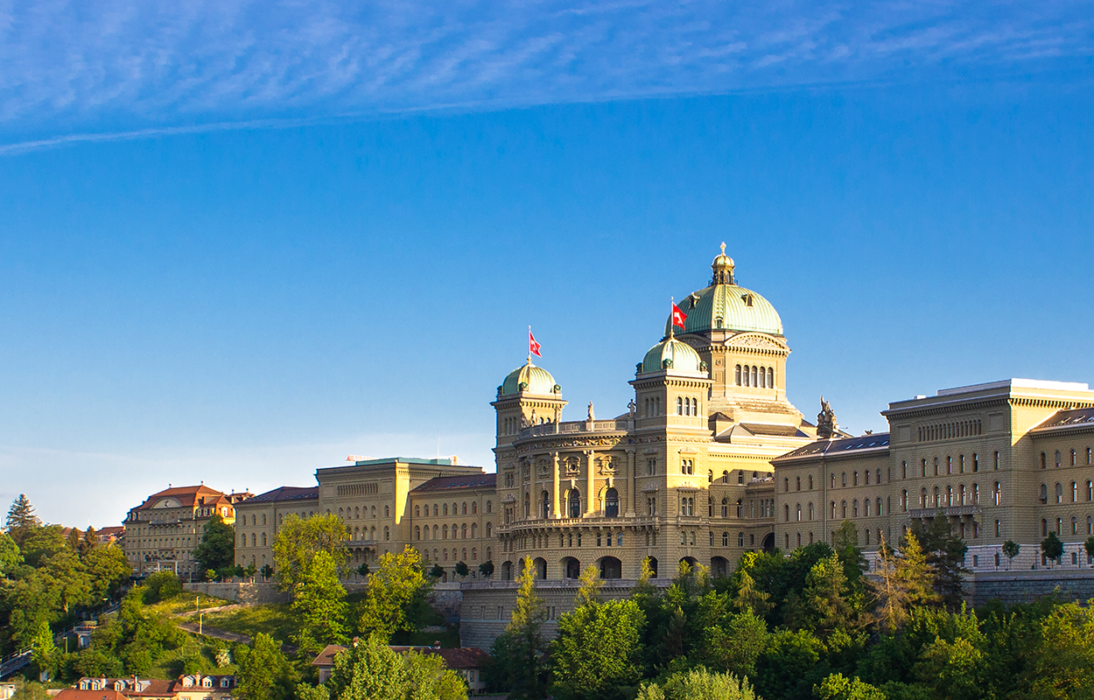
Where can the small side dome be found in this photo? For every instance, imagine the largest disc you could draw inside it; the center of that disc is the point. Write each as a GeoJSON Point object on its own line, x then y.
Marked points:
{"type": "Point", "coordinates": [530, 380]}
{"type": "Point", "coordinates": [671, 354]}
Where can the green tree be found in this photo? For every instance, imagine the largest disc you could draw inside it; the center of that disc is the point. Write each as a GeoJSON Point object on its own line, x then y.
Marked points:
{"type": "Point", "coordinates": [845, 543]}
{"type": "Point", "coordinates": [589, 589]}
{"type": "Point", "coordinates": [21, 520]}
{"type": "Point", "coordinates": [89, 541]}
{"type": "Point", "coordinates": [370, 670]}
{"type": "Point", "coordinates": [437, 572]}
{"type": "Point", "coordinates": [395, 591]}
{"type": "Point", "coordinates": [1062, 660]}
{"type": "Point", "coordinates": [902, 582]}
{"type": "Point", "coordinates": [836, 687]}
{"type": "Point", "coordinates": [41, 543]}
{"type": "Point", "coordinates": [300, 539]}
{"type": "Point", "coordinates": [217, 549]}
{"type": "Point", "coordinates": [267, 572]}
{"type": "Point", "coordinates": [946, 555]}
{"type": "Point", "coordinates": [44, 650]}
{"type": "Point", "coordinates": [517, 655]}
{"type": "Point", "coordinates": [486, 569]}
{"type": "Point", "coordinates": [749, 597]}
{"type": "Point", "coordinates": [10, 556]}
{"type": "Point", "coordinates": [1088, 546]}
{"type": "Point", "coordinates": [598, 653]}
{"type": "Point", "coordinates": [825, 604]}
{"type": "Point", "coordinates": [73, 540]}
{"type": "Point", "coordinates": [462, 569]}
{"type": "Point", "coordinates": [108, 568]}
{"type": "Point", "coordinates": [699, 684]}
{"type": "Point", "coordinates": [1052, 547]}
{"type": "Point", "coordinates": [319, 604]}
{"type": "Point", "coordinates": [264, 672]}
{"type": "Point", "coordinates": [1011, 550]}
{"type": "Point", "coordinates": [161, 585]}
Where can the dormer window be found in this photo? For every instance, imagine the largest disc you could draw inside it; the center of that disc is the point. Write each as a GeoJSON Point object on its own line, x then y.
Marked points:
{"type": "Point", "coordinates": [207, 682]}
{"type": "Point", "coordinates": [747, 299]}
{"type": "Point", "coordinates": [225, 682]}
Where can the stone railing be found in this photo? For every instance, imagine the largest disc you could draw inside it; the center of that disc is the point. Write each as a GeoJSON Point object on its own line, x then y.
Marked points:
{"type": "Point", "coordinates": [597, 521]}
{"type": "Point", "coordinates": [577, 426]}
{"type": "Point", "coordinates": [945, 511]}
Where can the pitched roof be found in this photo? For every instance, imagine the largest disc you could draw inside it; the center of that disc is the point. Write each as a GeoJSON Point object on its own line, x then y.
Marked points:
{"type": "Point", "coordinates": [287, 493]}
{"type": "Point", "coordinates": [457, 483]}
{"type": "Point", "coordinates": [74, 694]}
{"type": "Point", "coordinates": [186, 495]}
{"type": "Point", "coordinates": [1076, 418]}
{"type": "Point", "coordinates": [326, 657]}
{"type": "Point", "coordinates": [831, 448]}
{"type": "Point", "coordinates": [134, 687]}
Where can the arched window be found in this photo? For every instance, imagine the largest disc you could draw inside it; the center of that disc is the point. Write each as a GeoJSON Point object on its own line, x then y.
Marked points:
{"type": "Point", "coordinates": [737, 375]}
{"type": "Point", "coordinates": [833, 510]}
{"type": "Point", "coordinates": [679, 406]}
{"type": "Point", "coordinates": [417, 512]}
{"type": "Point", "coordinates": [810, 482]}
{"type": "Point", "coordinates": [763, 378]}
{"type": "Point", "coordinates": [799, 512]}
{"type": "Point", "coordinates": [904, 501]}
{"type": "Point", "coordinates": [611, 503]}
{"type": "Point", "coordinates": [961, 495]}
{"type": "Point", "coordinates": [489, 506]}
{"type": "Point", "coordinates": [866, 507]}
{"type": "Point", "coordinates": [770, 378]}
{"type": "Point", "coordinates": [463, 531]}
{"type": "Point", "coordinates": [1057, 459]}
{"type": "Point", "coordinates": [879, 506]}
{"type": "Point", "coordinates": [741, 508]}
{"type": "Point", "coordinates": [843, 509]}
{"type": "Point", "coordinates": [996, 494]}
{"type": "Point", "coordinates": [489, 529]}
{"type": "Point", "coordinates": [1044, 527]}
{"type": "Point", "coordinates": [754, 376]}
{"type": "Point", "coordinates": [854, 508]}
{"type": "Point", "coordinates": [976, 494]}
{"type": "Point", "coordinates": [937, 497]}
{"type": "Point", "coordinates": [1073, 456]}
{"type": "Point", "coordinates": [1074, 525]}
{"type": "Point", "coordinates": [417, 532]}
{"type": "Point", "coordinates": [740, 539]}
{"type": "Point", "coordinates": [444, 510]}
{"type": "Point", "coordinates": [725, 539]}
{"type": "Point", "coordinates": [810, 511]}
{"type": "Point", "coordinates": [1043, 458]}
{"type": "Point", "coordinates": [387, 533]}
{"type": "Point", "coordinates": [444, 532]}
{"type": "Point", "coordinates": [798, 483]}
{"type": "Point", "coordinates": [1074, 492]}
{"type": "Point", "coordinates": [575, 503]}
{"type": "Point", "coordinates": [1059, 493]}
{"type": "Point", "coordinates": [786, 513]}
{"type": "Point", "coordinates": [725, 507]}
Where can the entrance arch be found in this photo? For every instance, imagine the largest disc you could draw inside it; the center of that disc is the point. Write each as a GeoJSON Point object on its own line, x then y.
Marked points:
{"type": "Point", "coordinates": [571, 568]}
{"type": "Point", "coordinates": [541, 568]}
{"type": "Point", "coordinates": [719, 566]}
{"type": "Point", "coordinates": [769, 542]}
{"type": "Point", "coordinates": [611, 568]}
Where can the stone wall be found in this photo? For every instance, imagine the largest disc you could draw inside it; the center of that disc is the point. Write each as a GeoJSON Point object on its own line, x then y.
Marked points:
{"type": "Point", "coordinates": [252, 593]}
{"type": "Point", "coordinates": [488, 605]}
{"type": "Point", "coordinates": [1026, 586]}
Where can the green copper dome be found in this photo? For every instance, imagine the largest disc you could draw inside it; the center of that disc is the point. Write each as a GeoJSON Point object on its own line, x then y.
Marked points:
{"type": "Point", "coordinates": [724, 305]}
{"type": "Point", "coordinates": [670, 354]}
{"type": "Point", "coordinates": [529, 379]}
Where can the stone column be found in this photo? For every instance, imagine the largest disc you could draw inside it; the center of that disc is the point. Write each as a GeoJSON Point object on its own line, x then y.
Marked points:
{"type": "Point", "coordinates": [630, 478]}
{"type": "Point", "coordinates": [554, 486]}
{"type": "Point", "coordinates": [590, 468]}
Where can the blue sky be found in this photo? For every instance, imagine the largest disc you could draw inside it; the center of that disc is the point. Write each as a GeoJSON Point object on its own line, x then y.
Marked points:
{"type": "Point", "coordinates": [239, 241]}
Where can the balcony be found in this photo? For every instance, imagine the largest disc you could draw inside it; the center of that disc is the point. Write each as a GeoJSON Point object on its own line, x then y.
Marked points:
{"type": "Point", "coordinates": [590, 522]}
{"type": "Point", "coordinates": [946, 511]}
{"type": "Point", "coordinates": [576, 426]}
{"type": "Point", "coordinates": [357, 544]}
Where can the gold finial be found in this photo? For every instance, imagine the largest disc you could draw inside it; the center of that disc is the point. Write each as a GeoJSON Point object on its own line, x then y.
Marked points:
{"type": "Point", "coordinates": [723, 247]}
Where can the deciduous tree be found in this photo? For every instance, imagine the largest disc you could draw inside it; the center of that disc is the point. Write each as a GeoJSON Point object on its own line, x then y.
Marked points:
{"type": "Point", "coordinates": [264, 672]}
{"type": "Point", "coordinates": [1011, 550]}
{"type": "Point", "coordinates": [1052, 547]}
{"type": "Point", "coordinates": [598, 653]}
{"type": "Point", "coordinates": [699, 684]}
{"type": "Point", "coordinates": [216, 550]}
{"type": "Point", "coordinates": [300, 539]}
{"type": "Point", "coordinates": [319, 604]}
{"type": "Point", "coordinates": [396, 590]}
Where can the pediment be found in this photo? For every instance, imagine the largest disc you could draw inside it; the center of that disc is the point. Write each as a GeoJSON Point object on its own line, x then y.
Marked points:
{"type": "Point", "coordinates": [756, 340]}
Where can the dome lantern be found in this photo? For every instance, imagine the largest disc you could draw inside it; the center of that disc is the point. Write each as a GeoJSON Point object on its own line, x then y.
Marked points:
{"type": "Point", "coordinates": [723, 268]}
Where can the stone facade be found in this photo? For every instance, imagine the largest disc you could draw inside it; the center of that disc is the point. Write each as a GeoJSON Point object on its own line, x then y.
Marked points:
{"type": "Point", "coordinates": [161, 533]}
{"type": "Point", "coordinates": [1009, 460]}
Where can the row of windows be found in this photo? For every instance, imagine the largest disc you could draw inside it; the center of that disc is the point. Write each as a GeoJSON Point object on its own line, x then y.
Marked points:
{"type": "Point", "coordinates": [370, 533]}
{"type": "Point", "coordinates": [687, 406]}
{"type": "Point", "coordinates": [652, 406]}
{"type": "Point", "coordinates": [1073, 458]}
{"type": "Point", "coordinates": [963, 465]}
{"type": "Point", "coordinates": [355, 513]}
{"type": "Point", "coordinates": [956, 429]}
{"type": "Point", "coordinates": [605, 538]}
{"type": "Point", "coordinates": [1060, 526]}
{"type": "Point", "coordinates": [441, 532]}
{"type": "Point", "coordinates": [950, 497]}
{"type": "Point", "coordinates": [462, 554]}
{"type": "Point", "coordinates": [869, 509]}
{"type": "Point", "coordinates": [1073, 491]}
{"type": "Point", "coordinates": [442, 509]}
{"type": "Point", "coordinates": [762, 377]}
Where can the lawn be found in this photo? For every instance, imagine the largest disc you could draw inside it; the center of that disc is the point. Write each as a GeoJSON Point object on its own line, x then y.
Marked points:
{"type": "Point", "coordinates": [186, 602]}
{"type": "Point", "coordinates": [273, 619]}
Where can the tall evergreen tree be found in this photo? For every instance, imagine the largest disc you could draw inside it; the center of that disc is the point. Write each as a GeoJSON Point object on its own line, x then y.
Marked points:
{"type": "Point", "coordinates": [21, 521]}
{"type": "Point", "coordinates": [946, 554]}
{"type": "Point", "coordinates": [903, 581]}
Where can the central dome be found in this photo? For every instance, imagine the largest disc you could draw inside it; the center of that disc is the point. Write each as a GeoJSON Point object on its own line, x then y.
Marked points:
{"type": "Point", "coordinates": [725, 305]}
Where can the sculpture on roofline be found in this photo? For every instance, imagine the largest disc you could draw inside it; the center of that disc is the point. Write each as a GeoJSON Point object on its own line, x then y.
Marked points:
{"type": "Point", "coordinates": [826, 421]}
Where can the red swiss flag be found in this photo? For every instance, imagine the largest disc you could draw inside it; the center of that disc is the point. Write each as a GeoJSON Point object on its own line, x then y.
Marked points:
{"type": "Point", "coordinates": [533, 346]}
{"type": "Point", "coordinates": [678, 316]}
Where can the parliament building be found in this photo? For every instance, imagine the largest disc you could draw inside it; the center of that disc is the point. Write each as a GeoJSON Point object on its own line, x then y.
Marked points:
{"type": "Point", "coordinates": [710, 461]}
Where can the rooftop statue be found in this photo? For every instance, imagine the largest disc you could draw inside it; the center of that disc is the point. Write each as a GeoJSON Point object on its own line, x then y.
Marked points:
{"type": "Point", "coordinates": [826, 421]}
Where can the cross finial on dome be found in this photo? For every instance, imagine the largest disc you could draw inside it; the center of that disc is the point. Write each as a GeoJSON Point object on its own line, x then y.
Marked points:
{"type": "Point", "coordinates": [723, 247]}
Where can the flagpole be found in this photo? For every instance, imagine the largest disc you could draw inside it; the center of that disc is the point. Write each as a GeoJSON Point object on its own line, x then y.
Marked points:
{"type": "Point", "coordinates": [529, 345]}
{"type": "Point", "coordinates": [672, 317]}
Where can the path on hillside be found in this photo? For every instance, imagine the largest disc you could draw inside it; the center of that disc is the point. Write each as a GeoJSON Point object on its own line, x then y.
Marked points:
{"type": "Point", "coordinates": [217, 633]}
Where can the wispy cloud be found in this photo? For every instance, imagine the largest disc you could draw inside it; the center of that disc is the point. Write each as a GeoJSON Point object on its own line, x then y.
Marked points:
{"type": "Point", "coordinates": [127, 67]}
